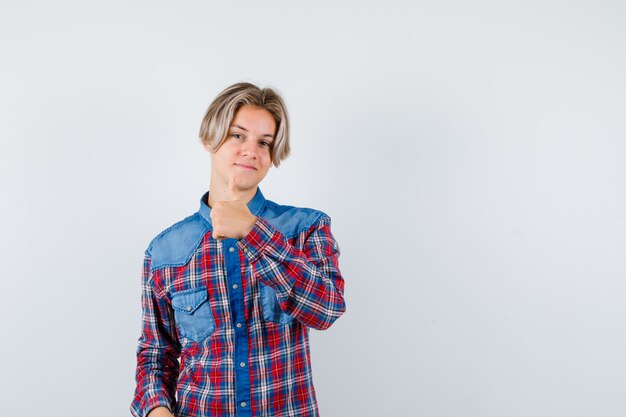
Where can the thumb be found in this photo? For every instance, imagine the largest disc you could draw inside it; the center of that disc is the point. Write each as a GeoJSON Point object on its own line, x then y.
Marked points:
{"type": "Point", "coordinates": [232, 191]}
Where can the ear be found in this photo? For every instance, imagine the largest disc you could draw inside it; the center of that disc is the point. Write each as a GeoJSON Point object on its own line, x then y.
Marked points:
{"type": "Point", "coordinates": [206, 146]}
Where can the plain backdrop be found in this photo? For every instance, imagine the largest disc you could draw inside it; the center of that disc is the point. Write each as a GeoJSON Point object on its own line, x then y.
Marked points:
{"type": "Point", "coordinates": [471, 155]}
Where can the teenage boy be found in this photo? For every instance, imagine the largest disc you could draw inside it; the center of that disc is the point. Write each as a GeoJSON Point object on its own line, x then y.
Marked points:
{"type": "Point", "coordinates": [230, 292]}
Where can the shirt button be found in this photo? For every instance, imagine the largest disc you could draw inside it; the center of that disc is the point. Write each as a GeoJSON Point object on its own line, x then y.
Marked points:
{"type": "Point", "coordinates": [243, 403]}
{"type": "Point", "coordinates": [231, 249]}
{"type": "Point", "coordinates": [189, 308]}
{"type": "Point", "coordinates": [235, 286]}
{"type": "Point", "coordinates": [239, 325]}
{"type": "Point", "coordinates": [242, 364]}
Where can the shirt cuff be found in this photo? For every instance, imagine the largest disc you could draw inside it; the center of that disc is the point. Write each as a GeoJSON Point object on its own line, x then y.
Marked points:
{"type": "Point", "coordinates": [149, 403]}
{"type": "Point", "coordinates": [156, 404]}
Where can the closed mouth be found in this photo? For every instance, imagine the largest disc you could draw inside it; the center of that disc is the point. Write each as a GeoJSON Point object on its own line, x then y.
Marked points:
{"type": "Point", "coordinates": [246, 166]}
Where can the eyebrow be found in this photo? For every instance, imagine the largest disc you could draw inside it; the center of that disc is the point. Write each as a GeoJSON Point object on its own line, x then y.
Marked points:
{"type": "Point", "coordinates": [245, 130]}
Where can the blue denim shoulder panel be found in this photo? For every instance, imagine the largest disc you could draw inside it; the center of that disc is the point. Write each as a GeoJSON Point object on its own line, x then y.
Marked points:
{"type": "Point", "coordinates": [175, 245]}
{"type": "Point", "coordinates": [290, 220]}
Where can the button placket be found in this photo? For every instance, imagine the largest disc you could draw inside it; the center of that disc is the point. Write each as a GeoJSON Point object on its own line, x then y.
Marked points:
{"type": "Point", "coordinates": [236, 295]}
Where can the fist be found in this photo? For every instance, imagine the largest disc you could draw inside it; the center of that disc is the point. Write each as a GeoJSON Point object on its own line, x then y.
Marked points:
{"type": "Point", "coordinates": [231, 217]}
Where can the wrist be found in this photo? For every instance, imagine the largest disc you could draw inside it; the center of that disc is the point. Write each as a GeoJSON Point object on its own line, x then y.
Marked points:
{"type": "Point", "coordinates": [251, 223]}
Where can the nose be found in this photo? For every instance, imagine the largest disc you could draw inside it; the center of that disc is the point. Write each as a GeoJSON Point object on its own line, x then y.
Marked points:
{"type": "Point", "coordinates": [248, 149]}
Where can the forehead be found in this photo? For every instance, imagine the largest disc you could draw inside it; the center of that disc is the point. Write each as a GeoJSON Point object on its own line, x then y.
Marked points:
{"type": "Point", "coordinates": [254, 118]}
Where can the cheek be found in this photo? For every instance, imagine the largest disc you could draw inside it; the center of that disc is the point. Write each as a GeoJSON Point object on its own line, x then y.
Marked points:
{"type": "Point", "coordinates": [227, 154]}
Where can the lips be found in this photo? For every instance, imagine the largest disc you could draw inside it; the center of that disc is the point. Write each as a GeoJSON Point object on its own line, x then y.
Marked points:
{"type": "Point", "coordinates": [244, 166]}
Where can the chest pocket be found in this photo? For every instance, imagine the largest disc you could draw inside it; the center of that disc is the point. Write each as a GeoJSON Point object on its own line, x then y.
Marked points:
{"type": "Point", "coordinates": [193, 314]}
{"type": "Point", "coordinates": [271, 309]}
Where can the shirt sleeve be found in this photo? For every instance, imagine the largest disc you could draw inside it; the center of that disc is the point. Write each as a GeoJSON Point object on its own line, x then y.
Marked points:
{"type": "Point", "coordinates": [157, 352]}
{"type": "Point", "coordinates": [308, 283]}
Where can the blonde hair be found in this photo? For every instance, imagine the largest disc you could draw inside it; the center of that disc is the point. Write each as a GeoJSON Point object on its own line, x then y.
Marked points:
{"type": "Point", "coordinates": [221, 111]}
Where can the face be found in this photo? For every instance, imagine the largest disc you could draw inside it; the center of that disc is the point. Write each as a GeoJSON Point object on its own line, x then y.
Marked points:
{"type": "Point", "coordinates": [246, 151]}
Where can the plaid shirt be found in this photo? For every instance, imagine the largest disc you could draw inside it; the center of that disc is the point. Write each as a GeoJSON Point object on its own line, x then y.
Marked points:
{"type": "Point", "coordinates": [225, 323]}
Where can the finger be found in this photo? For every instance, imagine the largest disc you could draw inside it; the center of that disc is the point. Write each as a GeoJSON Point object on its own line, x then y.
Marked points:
{"type": "Point", "coordinates": [233, 192]}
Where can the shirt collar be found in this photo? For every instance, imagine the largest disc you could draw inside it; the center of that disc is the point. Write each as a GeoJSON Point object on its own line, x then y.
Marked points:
{"type": "Point", "coordinates": [256, 205]}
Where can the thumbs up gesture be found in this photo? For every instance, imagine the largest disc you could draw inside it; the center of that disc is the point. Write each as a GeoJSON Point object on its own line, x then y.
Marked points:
{"type": "Point", "coordinates": [231, 217]}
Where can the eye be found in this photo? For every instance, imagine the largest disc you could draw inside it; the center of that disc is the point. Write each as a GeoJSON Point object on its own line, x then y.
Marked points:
{"type": "Point", "coordinates": [266, 143]}
{"type": "Point", "coordinates": [237, 135]}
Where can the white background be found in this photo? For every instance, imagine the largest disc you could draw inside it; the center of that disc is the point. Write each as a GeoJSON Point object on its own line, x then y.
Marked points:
{"type": "Point", "coordinates": [470, 155]}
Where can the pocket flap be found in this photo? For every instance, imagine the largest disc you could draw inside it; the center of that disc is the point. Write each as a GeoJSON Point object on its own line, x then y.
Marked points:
{"type": "Point", "coordinates": [188, 301]}
{"type": "Point", "coordinates": [271, 308]}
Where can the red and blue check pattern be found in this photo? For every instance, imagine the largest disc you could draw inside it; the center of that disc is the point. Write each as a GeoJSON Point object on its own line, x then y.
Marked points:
{"type": "Point", "coordinates": [250, 364]}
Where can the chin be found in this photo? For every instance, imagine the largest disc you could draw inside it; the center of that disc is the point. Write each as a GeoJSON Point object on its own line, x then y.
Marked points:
{"type": "Point", "coordinates": [248, 184]}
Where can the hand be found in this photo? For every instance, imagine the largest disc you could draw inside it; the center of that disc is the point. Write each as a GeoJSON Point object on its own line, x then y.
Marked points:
{"type": "Point", "coordinates": [231, 217]}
